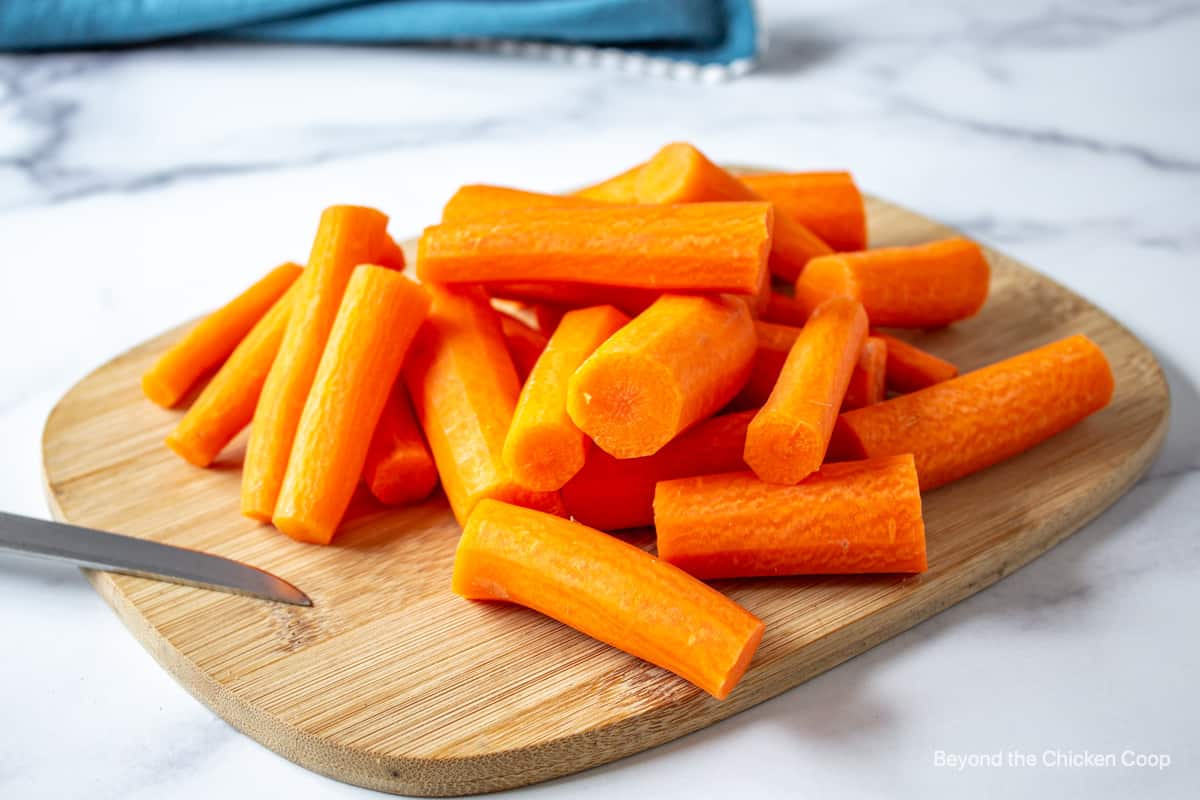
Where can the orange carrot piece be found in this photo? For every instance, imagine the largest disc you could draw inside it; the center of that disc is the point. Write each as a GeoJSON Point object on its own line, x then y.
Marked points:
{"type": "Point", "coordinates": [910, 368]}
{"type": "Point", "coordinates": [827, 203]}
{"type": "Point", "coordinates": [774, 343]}
{"type": "Point", "coordinates": [852, 518]}
{"type": "Point", "coordinates": [481, 202]}
{"type": "Point", "coordinates": [784, 310]}
{"type": "Point", "coordinates": [525, 345]}
{"type": "Point", "coordinates": [708, 247]}
{"type": "Point", "coordinates": [464, 389]}
{"type": "Point", "coordinates": [787, 439]}
{"type": "Point", "coordinates": [970, 422]}
{"type": "Point", "coordinates": [346, 236]}
{"type": "Point", "coordinates": [211, 340]}
{"type": "Point", "coordinates": [576, 295]}
{"type": "Point", "coordinates": [544, 449]}
{"type": "Point", "coordinates": [867, 380]}
{"type": "Point", "coordinates": [679, 173]}
{"type": "Point", "coordinates": [376, 322]}
{"type": "Point", "coordinates": [608, 589]}
{"type": "Point", "coordinates": [925, 286]}
{"type": "Point", "coordinates": [391, 256]}
{"type": "Point", "coordinates": [617, 189]}
{"type": "Point", "coordinates": [399, 468]}
{"type": "Point", "coordinates": [673, 365]}
{"type": "Point", "coordinates": [226, 404]}
{"type": "Point", "coordinates": [612, 494]}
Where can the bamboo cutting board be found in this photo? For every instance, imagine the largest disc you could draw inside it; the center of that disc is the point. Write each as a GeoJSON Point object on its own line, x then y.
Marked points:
{"type": "Point", "coordinates": [393, 683]}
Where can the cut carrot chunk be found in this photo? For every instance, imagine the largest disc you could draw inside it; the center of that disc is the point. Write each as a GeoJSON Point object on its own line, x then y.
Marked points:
{"type": "Point", "coordinates": [481, 201]}
{"type": "Point", "coordinates": [851, 518]}
{"type": "Point", "coordinates": [464, 389]}
{"type": "Point", "coordinates": [607, 589]}
{"type": "Point", "coordinates": [612, 494]}
{"type": "Point", "coordinates": [543, 448]}
{"type": "Point", "coordinates": [399, 468]}
{"type": "Point", "coordinates": [707, 247]}
{"type": "Point", "coordinates": [379, 315]}
{"type": "Point", "coordinates": [679, 173]}
{"type": "Point", "coordinates": [868, 380]}
{"type": "Point", "coordinates": [673, 365]}
{"type": "Point", "coordinates": [910, 368]}
{"type": "Point", "coordinates": [210, 341]}
{"type": "Point", "coordinates": [970, 422]}
{"type": "Point", "coordinates": [788, 437]}
{"type": "Point", "coordinates": [925, 286]}
{"type": "Point", "coordinates": [347, 236]}
{"type": "Point", "coordinates": [784, 310]}
{"type": "Point", "coordinates": [617, 189]}
{"type": "Point", "coordinates": [774, 343]}
{"type": "Point", "coordinates": [827, 203]}
{"type": "Point", "coordinates": [525, 344]}
{"type": "Point", "coordinates": [226, 405]}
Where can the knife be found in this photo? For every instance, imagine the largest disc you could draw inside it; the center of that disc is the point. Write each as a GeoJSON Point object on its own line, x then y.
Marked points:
{"type": "Point", "coordinates": [127, 555]}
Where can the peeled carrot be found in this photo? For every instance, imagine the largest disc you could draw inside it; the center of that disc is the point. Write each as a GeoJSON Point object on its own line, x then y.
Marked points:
{"type": "Point", "coordinates": [226, 404]}
{"type": "Point", "coordinates": [543, 448]}
{"type": "Point", "coordinates": [925, 286]}
{"type": "Point", "coordinates": [347, 236]}
{"type": "Point", "coordinates": [910, 368]}
{"type": "Point", "coordinates": [525, 344]}
{"type": "Point", "coordinates": [375, 324]}
{"type": "Point", "coordinates": [399, 468]}
{"type": "Point", "coordinates": [851, 518]}
{"type": "Point", "coordinates": [617, 189]}
{"type": "Point", "coordinates": [708, 247]}
{"type": "Point", "coordinates": [774, 343]}
{"type": "Point", "coordinates": [464, 389]}
{"type": "Point", "coordinates": [827, 203]}
{"type": "Point", "coordinates": [784, 310]}
{"type": "Point", "coordinates": [970, 422]}
{"type": "Point", "coordinates": [211, 340]}
{"type": "Point", "coordinates": [481, 201]}
{"type": "Point", "coordinates": [679, 173]}
{"type": "Point", "coordinates": [612, 494]}
{"type": "Point", "coordinates": [867, 380]}
{"type": "Point", "coordinates": [607, 589]}
{"type": "Point", "coordinates": [787, 439]}
{"type": "Point", "coordinates": [676, 363]}
{"type": "Point", "coordinates": [576, 295]}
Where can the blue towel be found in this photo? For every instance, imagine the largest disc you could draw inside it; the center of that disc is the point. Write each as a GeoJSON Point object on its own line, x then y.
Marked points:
{"type": "Point", "coordinates": [720, 32]}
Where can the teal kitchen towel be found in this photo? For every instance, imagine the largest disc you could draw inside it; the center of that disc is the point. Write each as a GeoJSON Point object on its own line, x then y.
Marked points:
{"type": "Point", "coordinates": [717, 32]}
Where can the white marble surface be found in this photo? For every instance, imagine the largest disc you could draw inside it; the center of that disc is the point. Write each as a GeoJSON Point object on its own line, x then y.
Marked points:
{"type": "Point", "coordinates": [139, 188]}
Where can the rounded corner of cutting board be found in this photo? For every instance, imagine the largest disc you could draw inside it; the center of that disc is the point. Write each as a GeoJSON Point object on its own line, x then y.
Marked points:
{"type": "Point", "coordinates": [103, 436]}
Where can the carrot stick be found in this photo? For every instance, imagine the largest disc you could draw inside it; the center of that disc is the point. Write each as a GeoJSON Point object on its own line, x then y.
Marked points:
{"type": "Point", "coordinates": [774, 343]}
{"type": "Point", "coordinates": [866, 387]}
{"type": "Point", "coordinates": [543, 448]}
{"type": "Point", "coordinates": [970, 422]}
{"type": "Point", "coordinates": [673, 365]}
{"type": "Point", "coordinates": [612, 494]}
{"type": "Point", "coordinates": [925, 286]}
{"type": "Point", "coordinates": [464, 389]}
{"type": "Point", "coordinates": [617, 189]}
{"type": "Point", "coordinates": [607, 589]}
{"type": "Point", "coordinates": [787, 439]}
{"type": "Point", "coordinates": [910, 368]}
{"type": "Point", "coordinates": [524, 344]}
{"type": "Point", "coordinates": [784, 310]}
{"type": "Point", "coordinates": [852, 518]}
{"type": "Point", "coordinates": [827, 203]}
{"type": "Point", "coordinates": [481, 201]}
{"type": "Point", "coordinates": [375, 324]}
{"type": "Point", "coordinates": [710, 247]}
{"type": "Point", "coordinates": [576, 295]}
{"type": "Point", "coordinates": [226, 404]}
{"type": "Point", "coordinates": [392, 255]}
{"type": "Point", "coordinates": [399, 468]}
{"type": "Point", "coordinates": [346, 236]}
{"type": "Point", "coordinates": [211, 340]}
{"type": "Point", "coordinates": [679, 173]}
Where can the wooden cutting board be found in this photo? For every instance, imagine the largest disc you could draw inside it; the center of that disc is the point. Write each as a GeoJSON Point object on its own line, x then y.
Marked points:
{"type": "Point", "coordinates": [392, 682]}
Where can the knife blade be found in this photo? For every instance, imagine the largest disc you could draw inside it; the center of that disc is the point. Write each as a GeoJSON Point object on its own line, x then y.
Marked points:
{"type": "Point", "coordinates": [127, 555]}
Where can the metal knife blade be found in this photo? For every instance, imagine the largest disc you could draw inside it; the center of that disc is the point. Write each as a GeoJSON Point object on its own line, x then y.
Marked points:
{"type": "Point", "coordinates": [111, 552]}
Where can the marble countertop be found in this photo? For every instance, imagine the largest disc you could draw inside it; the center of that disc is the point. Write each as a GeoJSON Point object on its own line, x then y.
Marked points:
{"type": "Point", "coordinates": [138, 188]}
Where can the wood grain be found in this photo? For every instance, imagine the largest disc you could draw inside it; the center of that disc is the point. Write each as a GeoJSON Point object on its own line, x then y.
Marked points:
{"type": "Point", "coordinates": [393, 683]}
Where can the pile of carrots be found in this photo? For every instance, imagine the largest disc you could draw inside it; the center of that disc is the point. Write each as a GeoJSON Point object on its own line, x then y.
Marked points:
{"type": "Point", "coordinates": [677, 346]}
